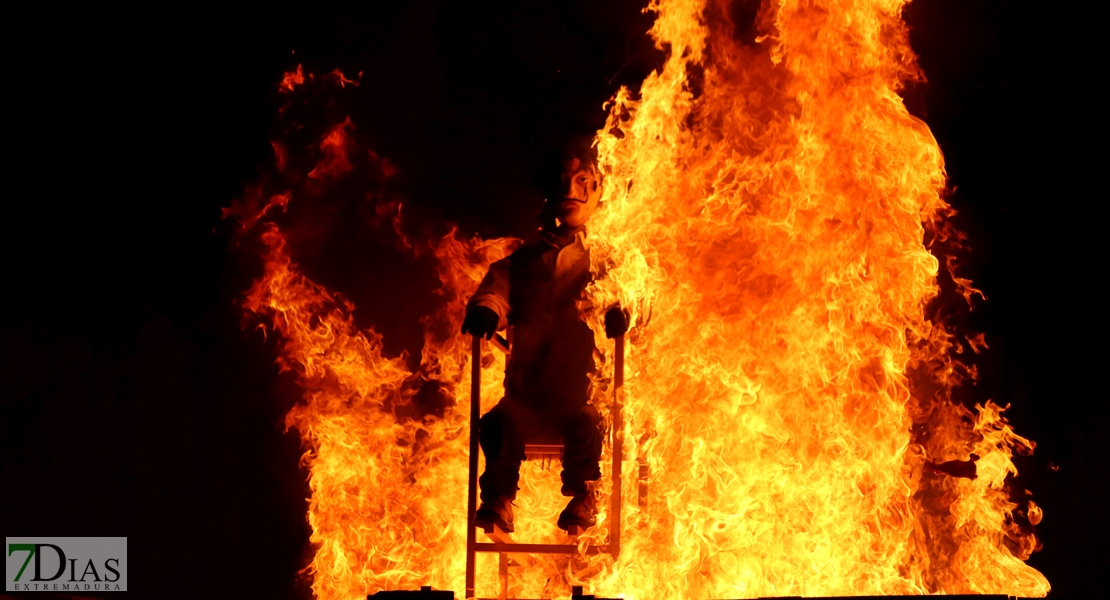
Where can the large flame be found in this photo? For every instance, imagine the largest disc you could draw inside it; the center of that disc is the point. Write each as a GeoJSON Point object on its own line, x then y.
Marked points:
{"type": "Point", "coordinates": [788, 407]}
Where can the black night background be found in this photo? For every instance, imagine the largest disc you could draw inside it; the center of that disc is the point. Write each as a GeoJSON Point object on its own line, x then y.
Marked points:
{"type": "Point", "coordinates": [134, 403]}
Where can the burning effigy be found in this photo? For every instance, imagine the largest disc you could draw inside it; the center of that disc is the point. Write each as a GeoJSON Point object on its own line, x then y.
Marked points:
{"type": "Point", "coordinates": [773, 220]}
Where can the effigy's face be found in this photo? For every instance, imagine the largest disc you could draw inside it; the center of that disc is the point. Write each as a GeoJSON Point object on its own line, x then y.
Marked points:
{"type": "Point", "coordinates": [581, 189]}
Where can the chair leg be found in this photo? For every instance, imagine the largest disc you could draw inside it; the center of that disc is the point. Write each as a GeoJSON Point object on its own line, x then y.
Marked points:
{"type": "Point", "coordinates": [472, 480]}
{"type": "Point", "coordinates": [645, 472]}
{"type": "Point", "coordinates": [503, 574]}
{"type": "Point", "coordinates": [618, 450]}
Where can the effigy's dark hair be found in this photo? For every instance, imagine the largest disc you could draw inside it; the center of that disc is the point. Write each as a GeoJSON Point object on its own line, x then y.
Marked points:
{"type": "Point", "coordinates": [581, 147]}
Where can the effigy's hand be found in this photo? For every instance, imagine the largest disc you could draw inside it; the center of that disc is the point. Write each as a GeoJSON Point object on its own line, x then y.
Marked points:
{"type": "Point", "coordinates": [616, 322]}
{"type": "Point", "coordinates": [480, 321]}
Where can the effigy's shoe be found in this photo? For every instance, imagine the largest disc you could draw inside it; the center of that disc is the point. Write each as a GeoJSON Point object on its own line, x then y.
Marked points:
{"type": "Point", "coordinates": [580, 512]}
{"type": "Point", "coordinates": [496, 512]}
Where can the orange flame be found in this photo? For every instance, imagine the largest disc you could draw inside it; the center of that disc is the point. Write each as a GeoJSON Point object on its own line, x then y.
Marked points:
{"type": "Point", "coordinates": [291, 80]}
{"type": "Point", "coordinates": [342, 80]}
{"type": "Point", "coordinates": [376, 478]}
{"type": "Point", "coordinates": [788, 405]}
{"type": "Point", "coordinates": [333, 146]}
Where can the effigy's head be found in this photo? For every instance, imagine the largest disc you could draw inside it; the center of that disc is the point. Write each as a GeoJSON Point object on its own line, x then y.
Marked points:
{"type": "Point", "coordinates": [574, 187]}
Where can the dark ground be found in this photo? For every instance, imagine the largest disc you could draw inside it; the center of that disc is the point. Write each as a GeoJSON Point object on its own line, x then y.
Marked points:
{"type": "Point", "coordinates": [132, 402]}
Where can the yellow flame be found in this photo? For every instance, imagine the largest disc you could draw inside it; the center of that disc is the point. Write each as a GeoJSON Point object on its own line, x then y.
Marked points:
{"type": "Point", "coordinates": [769, 221]}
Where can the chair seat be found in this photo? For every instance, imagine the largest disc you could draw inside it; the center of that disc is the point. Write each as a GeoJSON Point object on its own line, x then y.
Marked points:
{"type": "Point", "coordinates": [543, 451]}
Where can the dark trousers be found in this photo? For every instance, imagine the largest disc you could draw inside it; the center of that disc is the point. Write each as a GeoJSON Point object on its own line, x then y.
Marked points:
{"type": "Point", "coordinates": [504, 430]}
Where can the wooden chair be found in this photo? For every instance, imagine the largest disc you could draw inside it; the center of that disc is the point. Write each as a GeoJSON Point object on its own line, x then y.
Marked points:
{"type": "Point", "coordinates": [510, 552]}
